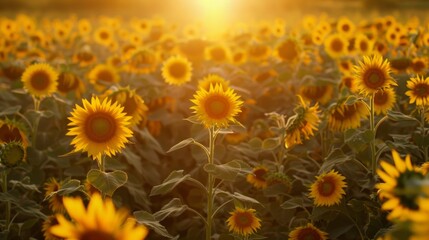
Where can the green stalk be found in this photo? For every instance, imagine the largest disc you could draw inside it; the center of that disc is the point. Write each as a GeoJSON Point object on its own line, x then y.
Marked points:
{"type": "Point", "coordinates": [372, 129]}
{"type": "Point", "coordinates": [101, 167]}
{"type": "Point", "coordinates": [8, 205]}
{"type": "Point", "coordinates": [210, 184]}
{"type": "Point", "coordinates": [422, 125]}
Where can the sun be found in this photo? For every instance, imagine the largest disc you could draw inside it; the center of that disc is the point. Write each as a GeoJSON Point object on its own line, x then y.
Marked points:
{"type": "Point", "coordinates": [100, 128]}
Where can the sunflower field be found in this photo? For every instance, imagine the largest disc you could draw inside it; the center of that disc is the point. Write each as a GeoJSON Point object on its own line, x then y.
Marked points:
{"type": "Point", "coordinates": [304, 127]}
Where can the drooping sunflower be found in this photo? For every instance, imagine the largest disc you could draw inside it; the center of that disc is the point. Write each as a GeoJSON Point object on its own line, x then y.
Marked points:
{"type": "Point", "coordinates": [384, 99]}
{"type": "Point", "coordinates": [40, 80]}
{"type": "Point", "coordinates": [328, 189]}
{"type": "Point", "coordinates": [243, 221]}
{"type": "Point", "coordinates": [372, 74]}
{"type": "Point", "coordinates": [99, 128]}
{"type": "Point", "coordinates": [335, 45]}
{"type": "Point", "coordinates": [68, 82]}
{"type": "Point", "coordinates": [344, 116]}
{"type": "Point", "coordinates": [177, 70]}
{"type": "Point", "coordinates": [102, 76]}
{"type": "Point", "coordinates": [301, 125]}
{"type": "Point", "coordinates": [419, 90]}
{"type": "Point", "coordinates": [307, 232]}
{"type": "Point", "coordinates": [11, 130]}
{"type": "Point", "coordinates": [217, 106]}
{"type": "Point", "coordinates": [317, 93]}
{"type": "Point", "coordinates": [100, 220]}
{"type": "Point", "coordinates": [133, 104]}
{"type": "Point", "coordinates": [213, 79]}
{"type": "Point", "coordinates": [258, 177]}
{"type": "Point", "coordinates": [397, 188]}
{"type": "Point", "coordinates": [56, 200]}
{"type": "Point", "coordinates": [288, 50]}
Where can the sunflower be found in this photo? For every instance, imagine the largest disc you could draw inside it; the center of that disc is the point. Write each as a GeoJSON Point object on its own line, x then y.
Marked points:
{"type": "Point", "coordinates": [419, 90]}
{"type": "Point", "coordinates": [258, 52]}
{"type": "Point", "coordinates": [317, 93]}
{"type": "Point", "coordinates": [99, 221]}
{"type": "Point", "coordinates": [12, 154]}
{"type": "Point", "coordinates": [84, 26]}
{"type": "Point", "coordinates": [363, 45]}
{"type": "Point", "coordinates": [397, 188]}
{"type": "Point", "coordinates": [258, 177]}
{"type": "Point", "coordinates": [40, 80]}
{"type": "Point", "coordinates": [344, 116]}
{"type": "Point", "coordinates": [84, 58]}
{"type": "Point", "coordinates": [372, 74]}
{"type": "Point", "coordinates": [265, 75]}
{"type": "Point", "coordinates": [218, 53]}
{"type": "Point", "coordinates": [103, 36]}
{"type": "Point", "coordinates": [345, 66]}
{"type": "Point", "coordinates": [304, 122]}
{"type": "Point", "coordinates": [12, 131]}
{"type": "Point", "coordinates": [99, 128]}
{"type": "Point", "coordinates": [328, 189]}
{"type": "Point", "coordinates": [133, 104]}
{"type": "Point", "coordinates": [213, 79]}
{"type": "Point", "coordinates": [384, 99]}
{"type": "Point", "coordinates": [102, 76]}
{"type": "Point", "coordinates": [142, 61]}
{"type": "Point", "coordinates": [288, 50]}
{"type": "Point", "coordinates": [345, 27]}
{"type": "Point", "coordinates": [348, 81]}
{"type": "Point", "coordinates": [56, 200]}
{"type": "Point", "coordinates": [307, 232]}
{"type": "Point", "coordinates": [68, 82]}
{"type": "Point", "coordinates": [335, 45]}
{"type": "Point", "coordinates": [243, 221]}
{"type": "Point", "coordinates": [177, 70]}
{"type": "Point", "coordinates": [46, 225]}
{"type": "Point", "coordinates": [419, 65]}
{"type": "Point", "coordinates": [217, 106]}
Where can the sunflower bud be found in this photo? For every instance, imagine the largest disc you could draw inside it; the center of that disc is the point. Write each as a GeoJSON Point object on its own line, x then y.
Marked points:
{"type": "Point", "coordinates": [12, 154]}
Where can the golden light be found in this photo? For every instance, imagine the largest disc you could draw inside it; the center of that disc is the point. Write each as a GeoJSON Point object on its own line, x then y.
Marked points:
{"type": "Point", "coordinates": [215, 15]}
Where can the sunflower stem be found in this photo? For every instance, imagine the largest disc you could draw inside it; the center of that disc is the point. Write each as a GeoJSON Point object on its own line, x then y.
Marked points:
{"type": "Point", "coordinates": [8, 205]}
{"type": "Point", "coordinates": [36, 121]}
{"type": "Point", "coordinates": [372, 129]}
{"type": "Point", "coordinates": [101, 167]}
{"type": "Point", "coordinates": [422, 125]}
{"type": "Point", "coordinates": [210, 183]}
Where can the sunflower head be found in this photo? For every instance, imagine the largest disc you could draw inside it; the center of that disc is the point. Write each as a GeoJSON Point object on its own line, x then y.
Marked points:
{"type": "Point", "coordinates": [418, 90]}
{"type": "Point", "coordinates": [40, 80]}
{"type": "Point", "coordinates": [384, 99]}
{"type": "Point", "coordinates": [217, 106]}
{"type": "Point", "coordinates": [46, 225]}
{"type": "Point", "coordinates": [288, 50]}
{"type": "Point", "coordinates": [102, 76]}
{"type": "Point", "coordinates": [177, 70]}
{"type": "Point", "coordinates": [317, 93]}
{"type": "Point", "coordinates": [243, 221]}
{"type": "Point", "coordinates": [99, 128]}
{"type": "Point", "coordinates": [100, 220]}
{"type": "Point", "coordinates": [68, 82]}
{"type": "Point", "coordinates": [217, 53]}
{"type": "Point", "coordinates": [11, 130]}
{"type": "Point", "coordinates": [55, 200]}
{"type": "Point", "coordinates": [335, 45]}
{"type": "Point", "coordinates": [328, 189]}
{"type": "Point", "coordinates": [12, 153]}
{"type": "Point", "coordinates": [213, 79]}
{"type": "Point", "coordinates": [307, 232]}
{"type": "Point", "coordinates": [343, 116]}
{"type": "Point", "coordinates": [258, 177]}
{"type": "Point", "coordinates": [372, 74]}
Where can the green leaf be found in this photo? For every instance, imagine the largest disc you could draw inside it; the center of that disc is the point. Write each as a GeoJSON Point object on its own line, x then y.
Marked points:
{"type": "Point", "coordinates": [293, 203]}
{"type": "Point", "coordinates": [173, 208]}
{"type": "Point", "coordinates": [174, 179]}
{"type": "Point", "coordinates": [399, 117]}
{"type": "Point", "coordinates": [10, 110]}
{"type": "Point", "coordinates": [181, 144]}
{"type": "Point", "coordinates": [358, 140]}
{"type": "Point", "coordinates": [133, 159]}
{"type": "Point", "coordinates": [255, 143]}
{"type": "Point", "coordinates": [270, 143]}
{"type": "Point", "coordinates": [149, 220]}
{"type": "Point", "coordinates": [239, 197]}
{"type": "Point", "coordinates": [29, 187]}
{"type": "Point", "coordinates": [66, 188]}
{"type": "Point", "coordinates": [107, 183]}
{"type": "Point", "coordinates": [227, 171]}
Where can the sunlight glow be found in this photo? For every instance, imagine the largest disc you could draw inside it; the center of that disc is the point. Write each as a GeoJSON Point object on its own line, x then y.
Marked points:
{"type": "Point", "coordinates": [216, 14]}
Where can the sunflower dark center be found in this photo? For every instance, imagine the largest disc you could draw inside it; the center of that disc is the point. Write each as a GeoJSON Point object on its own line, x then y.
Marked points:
{"type": "Point", "coordinates": [421, 90]}
{"type": "Point", "coordinates": [217, 107]}
{"type": "Point", "coordinates": [374, 78]}
{"type": "Point", "coordinates": [308, 234]}
{"type": "Point", "coordinates": [96, 235]}
{"type": "Point", "coordinates": [40, 80]}
{"type": "Point", "coordinates": [348, 82]}
{"type": "Point", "coordinates": [418, 66]}
{"type": "Point", "coordinates": [363, 45]}
{"type": "Point", "coordinates": [104, 35]}
{"type": "Point", "coordinates": [100, 127]}
{"type": "Point", "coordinates": [177, 70]}
{"type": "Point", "coordinates": [105, 76]}
{"type": "Point", "coordinates": [346, 27]}
{"type": "Point", "coordinates": [380, 98]}
{"type": "Point", "coordinates": [260, 174]}
{"type": "Point", "coordinates": [326, 187]}
{"type": "Point", "coordinates": [243, 219]}
{"type": "Point", "coordinates": [337, 45]}
{"type": "Point", "coordinates": [288, 51]}
{"type": "Point", "coordinates": [85, 56]}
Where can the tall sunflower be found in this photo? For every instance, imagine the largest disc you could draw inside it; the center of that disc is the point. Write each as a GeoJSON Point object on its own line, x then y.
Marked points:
{"type": "Point", "coordinates": [288, 50]}
{"type": "Point", "coordinates": [217, 106]}
{"type": "Point", "coordinates": [99, 128]}
{"type": "Point", "coordinates": [397, 188]}
{"type": "Point", "coordinates": [328, 189]}
{"type": "Point", "coordinates": [213, 79]}
{"type": "Point", "coordinates": [419, 90]}
{"type": "Point", "coordinates": [344, 116]}
{"type": "Point", "coordinates": [302, 124]}
{"type": "Point", "coordinates": [372, 74]}
{"type": "Point", "coordinates": [258, 177]}
{"type": "Point", "coordinates": [307, 232]}
{"type": "Point", "coordinates": [40, 80]}
{"type": "Point", "coordinates": [335, 45]}
{"type": "Point", "coordinates": [243, 221]}
{"type": "Point", "coordinates": [177, 70]}
{"type": "Point", "coordinates": [100, 220]}
{"type": "Point", "coordinates": [102, 76]}
{"type": "Point", "coordinates": [384, 99]}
